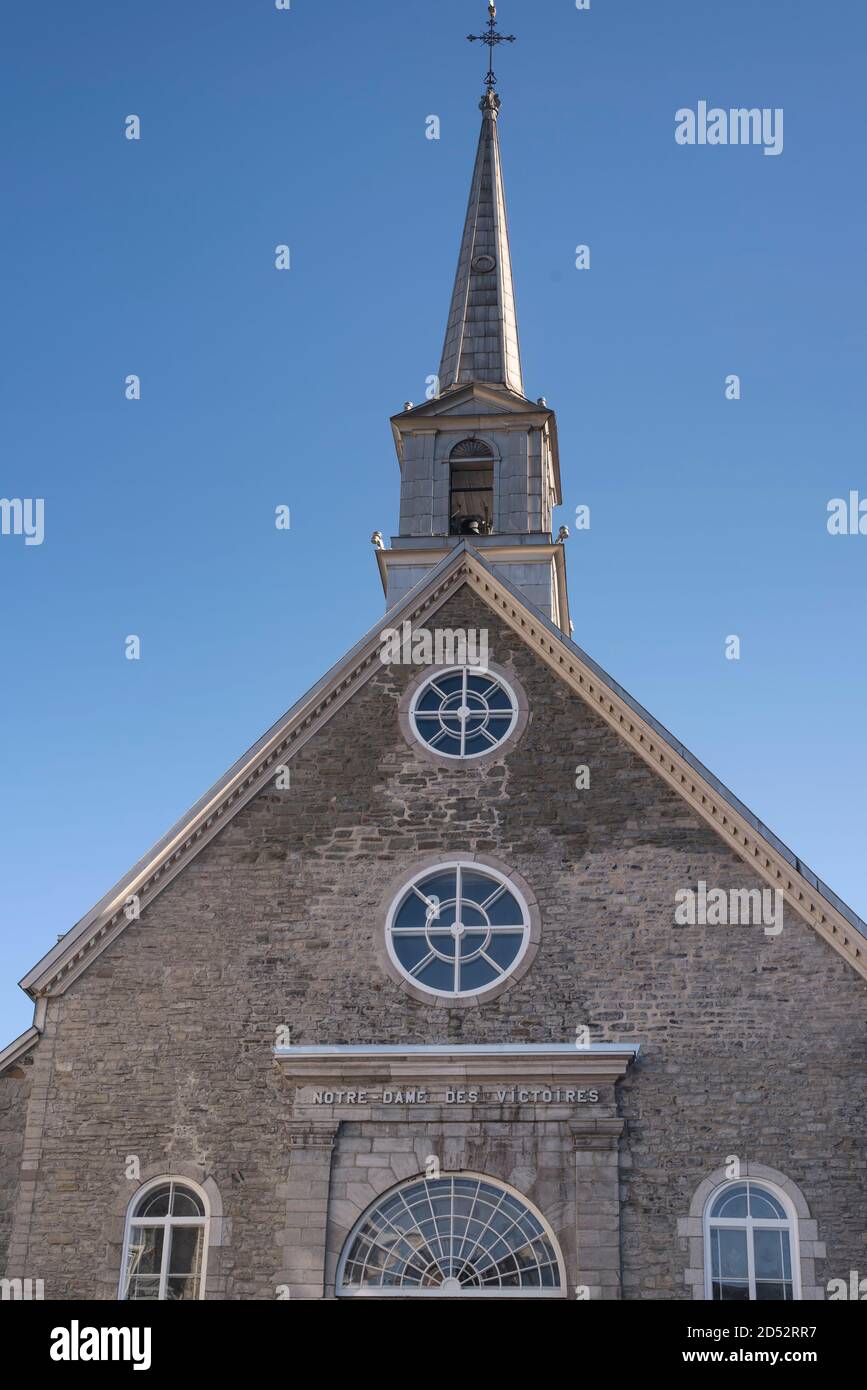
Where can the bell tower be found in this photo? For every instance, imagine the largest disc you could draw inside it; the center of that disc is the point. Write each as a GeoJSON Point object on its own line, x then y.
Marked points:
{"type": "Point", "coordinates": [479, 461]}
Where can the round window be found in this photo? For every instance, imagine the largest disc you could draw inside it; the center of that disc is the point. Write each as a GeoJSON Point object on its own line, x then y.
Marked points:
{"type": "Point", "coordinates": [458, 930]}
{"type": "Point", "coordinates": [463, 712]}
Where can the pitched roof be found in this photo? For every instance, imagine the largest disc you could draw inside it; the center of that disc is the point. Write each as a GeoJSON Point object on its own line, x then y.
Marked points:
{"type": "Point", "coordinates": [734, 822]}
{"type": "Point", "coordinates": [481, 342]}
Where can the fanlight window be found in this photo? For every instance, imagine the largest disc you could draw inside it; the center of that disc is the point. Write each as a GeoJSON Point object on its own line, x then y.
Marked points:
{"type": "Point", "coordinates": [750, 1242]}
{"type": "Point", "coordinates": [450, 1236]}
{"type": "Point", "coordinates": [458, 929]}
{"type": "Point", "coordinates": [463, 712]}
{"type": "Point", "coordinates": [165, 1244]}
{"type": "Point", "coordinates": [471, 488]}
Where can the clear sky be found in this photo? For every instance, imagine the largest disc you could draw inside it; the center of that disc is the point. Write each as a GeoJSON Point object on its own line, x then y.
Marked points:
{"type": "Point", "coordinates": [260, 387]}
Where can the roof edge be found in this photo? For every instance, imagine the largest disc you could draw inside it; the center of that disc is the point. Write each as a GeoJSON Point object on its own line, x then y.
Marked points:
{"type": "Point", "coordinates": [651, 740]}
{"type": "Point", "coordinates": [207, 815]}
{"type": "Point", "coordinates": [714, 784]}
{"type": "Point", "coordinates": [18, 1047]}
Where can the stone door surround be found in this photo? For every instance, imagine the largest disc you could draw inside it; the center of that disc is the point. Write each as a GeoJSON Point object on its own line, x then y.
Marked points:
{"type": "Point", "coordinates": [542, 1118]}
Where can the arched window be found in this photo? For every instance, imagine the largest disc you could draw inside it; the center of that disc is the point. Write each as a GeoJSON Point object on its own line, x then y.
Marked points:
{"type": "Point", "coordinates": [751, 1244]}
{"type": "Point", "coordinates": [165, 1249]}
{"type": "Point", "coordinates": [471, 488]}
{"type": "Point", "coordinates": [460, 1235]}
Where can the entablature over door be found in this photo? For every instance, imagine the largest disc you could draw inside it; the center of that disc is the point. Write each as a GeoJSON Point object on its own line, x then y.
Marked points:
{"type": "Point", "coordinates": [530, 1081]}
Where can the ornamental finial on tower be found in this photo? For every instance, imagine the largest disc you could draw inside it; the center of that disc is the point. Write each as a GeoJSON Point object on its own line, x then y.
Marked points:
{"type": "Point", "coordinates": [491, 38]}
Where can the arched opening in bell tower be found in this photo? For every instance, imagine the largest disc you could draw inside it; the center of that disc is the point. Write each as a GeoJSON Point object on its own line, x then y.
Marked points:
{"type": "Point", "coordinates": [471, 488]}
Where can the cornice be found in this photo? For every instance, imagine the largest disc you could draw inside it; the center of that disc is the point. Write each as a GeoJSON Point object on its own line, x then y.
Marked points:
{"type": "Point", "coordinates": [74, 952]}
{"type": "Point", "coordinates": [534, 415]}
{"type": "Point", "coordinates": [18, 1048]}
{"type": "Point", "coordinates": [494, 554]}
{"type": "Point", "coordinates": [511, 401]}
{"type": "Point", "coordinates": [65, 962]}
{"type": "Point", "coordinates": [555, 1064]}
{"type": "Point", "coordinates": [734, 828]}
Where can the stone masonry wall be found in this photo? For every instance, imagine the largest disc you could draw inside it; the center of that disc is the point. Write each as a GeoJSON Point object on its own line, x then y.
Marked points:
{"type": "Point", "coordinates": [14, 1095]}
{"type": "Point", "coordinates": [751, 1045]}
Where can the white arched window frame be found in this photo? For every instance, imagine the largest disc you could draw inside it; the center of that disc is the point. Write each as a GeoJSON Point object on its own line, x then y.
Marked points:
{"type": "Point", "coordinates": [455, 919]}
{"type": "Point", "coordinates": [440, 1259]}
{"type": "Point", "coordinates": [463, 712]}
{"type": "Point", "coordinates": [165, 1255]}
{"type": "Point", "coordinates": [785, 1227]}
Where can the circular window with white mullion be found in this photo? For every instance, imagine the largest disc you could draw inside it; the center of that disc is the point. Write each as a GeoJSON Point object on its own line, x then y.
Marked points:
{"type": "Point", "coordinates": [463, 712]}
{"type": "Point", "coordinates": [458, 930]}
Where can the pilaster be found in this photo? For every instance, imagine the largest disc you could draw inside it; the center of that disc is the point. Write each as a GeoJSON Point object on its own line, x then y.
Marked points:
{"type": "Point", "coordinates": [597, 1206]}
{"type": "Point", "coordinates": [311, 1147]}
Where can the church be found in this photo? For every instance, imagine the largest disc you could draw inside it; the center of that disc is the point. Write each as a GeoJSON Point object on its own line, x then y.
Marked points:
{"type": "Point", "coordinates": [432, 995]}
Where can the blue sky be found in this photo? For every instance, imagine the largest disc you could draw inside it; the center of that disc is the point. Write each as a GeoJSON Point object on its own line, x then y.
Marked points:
{"type": "Point", "coordinates": [259, 387]}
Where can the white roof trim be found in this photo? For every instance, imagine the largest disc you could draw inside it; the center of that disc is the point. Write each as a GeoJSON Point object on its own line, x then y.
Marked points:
{"type": "Point", "coordinates": [18, 1048]}
{"type": "Point", "coordinates": [73, 952]}
{"type": "Point", "coordinates": [831, 918]}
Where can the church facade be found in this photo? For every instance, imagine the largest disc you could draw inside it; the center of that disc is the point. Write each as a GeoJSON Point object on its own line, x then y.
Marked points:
{"type": "Point", "coordinates": [467, 980]}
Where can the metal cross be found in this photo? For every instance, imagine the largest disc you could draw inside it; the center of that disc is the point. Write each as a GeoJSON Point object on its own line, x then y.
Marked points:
{"type": "Point", "coordinates": [491, 38]}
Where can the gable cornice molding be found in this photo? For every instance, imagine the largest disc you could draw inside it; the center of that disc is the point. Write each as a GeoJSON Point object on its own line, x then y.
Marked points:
{"type": "Point", "coordinates": [73, 953]}
{"type": "Point", "coordinates": [65, 962]}
{"type": "Point", "coordinates": [682, 776]}
{"type": "Point", "coordinates": [18, 1048]}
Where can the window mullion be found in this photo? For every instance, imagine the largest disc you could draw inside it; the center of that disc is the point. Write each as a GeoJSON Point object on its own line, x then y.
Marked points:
{"type": "Point", "coordinates": [458, 918]}
{"type": "Point", "coordinates": [164, 1263]}
{"type": "Point", "coordinates": [451, 1267]}
{"type": "Point", "coordinates": [751, 1261]}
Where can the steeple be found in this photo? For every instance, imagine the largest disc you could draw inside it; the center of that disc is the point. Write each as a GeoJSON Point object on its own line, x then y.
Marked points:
{"type": "Point", "coordinates": [481, 341]}
{"type": "Point", "coordinates": [479, 463]}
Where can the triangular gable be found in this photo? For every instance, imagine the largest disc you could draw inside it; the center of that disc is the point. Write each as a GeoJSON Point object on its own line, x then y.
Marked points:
{"type": "Point", "coordinates": [473, 395]}
{"type": "Point", "coordinates": [766, 854]}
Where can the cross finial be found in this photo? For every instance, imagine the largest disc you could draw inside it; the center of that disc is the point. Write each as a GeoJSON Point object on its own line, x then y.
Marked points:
{"type": "Point", "coordinates": [491, 38]}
